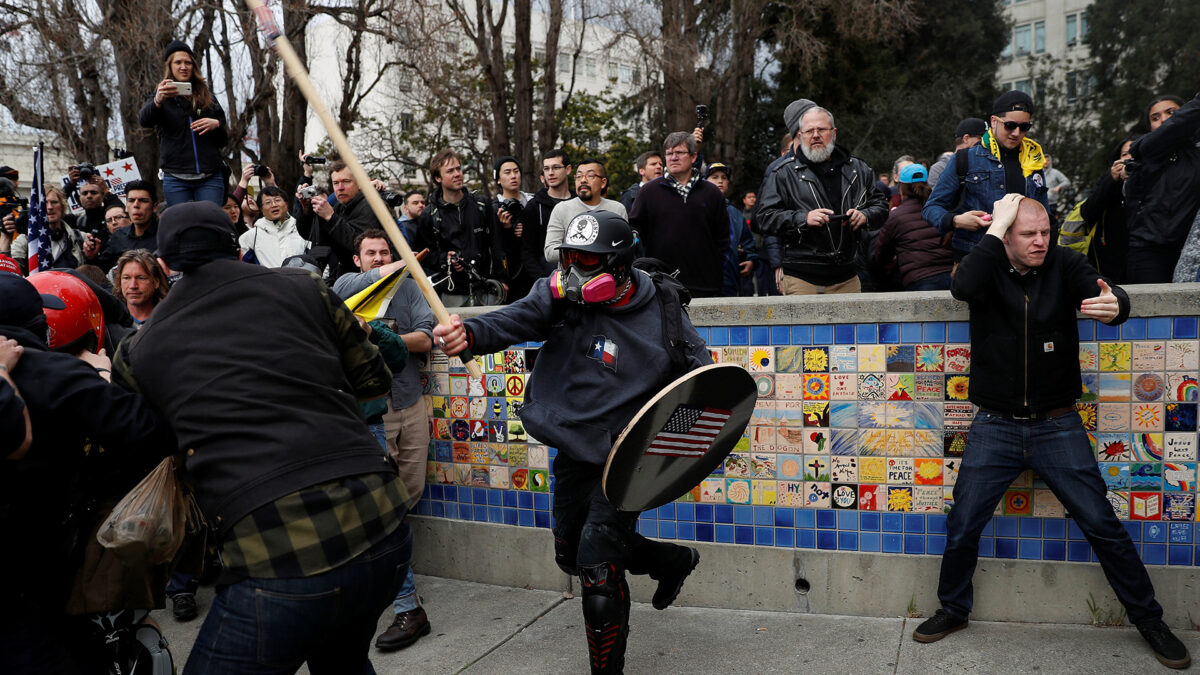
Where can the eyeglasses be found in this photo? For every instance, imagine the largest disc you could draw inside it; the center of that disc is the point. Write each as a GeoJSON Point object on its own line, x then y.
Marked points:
{"type": "Point", "coordinates": [590, 175]}
{"type": "Point", "coordinates": [116, 219]}
{"type": "Point", "coordinates": [677, 153]}
{"type": "Point", "coordinates": [1023, 126]}
{"type": "Point", "coordinates": [816, 130]}
{"type": "Point", "coordinates": [555, 167]}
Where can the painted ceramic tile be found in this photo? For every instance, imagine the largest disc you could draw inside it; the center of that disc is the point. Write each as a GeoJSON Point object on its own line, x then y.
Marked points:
{"type": "Point", "coordinates": [459, 407]}
{"type": "Point", "coordinates": [1089, 356]}
{"type": "Point", "coordinates": [1179, 447]}
{"type": "Point", "coordinates": [737, 465]}
{"type": "Point", "coordinates": [958, 358]}
{"type": "Point", "coordinates": [817, 441]}
{"type": "Point", "coordinates": [954, 443]}
{"type": "Point", "coordinates": [493, 363]}
{"type": "Point", "coordinates": [514, 385]}
{"type": "Point", "coordinates": [1145, 505]}
{"type": "Point", "coordinates": [816, 359]}
{"type": "Point", "coordinates": [1018, 502]}
{"type": "Point", "coordinates": [498, 477]}
{"type": "Point", "coordinates": [459, 385]}
{"type": "Point", "coordinates": [927, 499]}
{"type": "Point", "coordinates": [816, 468]}
{"type": "Point", "coordinates": [871, 387]}
{"type": "Point", "coordinates": [443, 451]}
{"type": "Point", "coordinates": [761, 360]}
{"type": "Point", "coordinates": [478, 407]}
{"type": "Point", "coordinates": [1088, 413]}
{"type": "Point", "coordinates": [1115, 356]}
{"type": "Point", "coordinates": [1182, 387]}
{"type": "Point", "coordinates": [900, 443]}
{"type": "Point", "coordinates": [480, 431]}
{"type": "Point", "coordinates": [737, 490]}
{"type": "Point", "coordinates": [900, 470]}
{"type": "Point", "coordinates": [1179, 506]}
{"type": "Point", "coordinates": [497, 453]}
{"type": "Point", "coordinates": [716, 354]}
{"type": "Point", "coordinates": [1180, 416]}
{"type": "Point", "coordinates": [765, 492]}
{"type": "Point", "coordinates": [1145, 476]}
{"type": "Point", "coordinates": [901, 386]}
{"type": "Point", "coordinates": [790, 493]}
{"type": "Point", "coordinates": [872, 415]}
{"type": "Point", "coordinates": [462, 474]}
{"type": "Point", "coordinates": [460, 430]}
{"type": "Point", "coordinates": [816, 495]}
{"type": "Point", "coordinates": [1179, 476]}
{"type": "Point", "coordinates": [1046, 505]}
{"type": "Point", "coordinates": [957, 415]}
{"type": "Point", "coordinates": [789, 439]}
{"type": "Point", "coordinates": [516, 431]}
{"type": "Point", "coordinates": [518, 454]}
{"type": "Point", "coordinates": [1115, 387]}
{"type": "Point", "coordinates": [872, 497]}
{"type": "Point", "coordinates": [927, 471]}
{"type": "Point", "coordinates": [1148, 356]}
{"type": "Point", "coordinates": [738, 355]}
{"type": "Point", "coordinates": [1115, 475]}
{"type": "Point", "coordinates": [845, 442]}
{"type": "Point", "coordinates": [947, 499]}
{"type": "Point", "coordinates": [843, 386]}
{"type": "Point", "coordinates": [898, 414]}
{"type": "Point", "coordinates": [950, 470]}
{"type": "Point", "coordinates": [843, 359]}
{"type": "Point", "coordinates": [762, 438]}
{"type": "Point", "coordinates": [789, 359]}
{"type": "Point", "coordinates": [481, 476]}
{"type": "Point", "coordinates": [494, 408]}
{"type": "Point", "coordinates": [1023, 479]}
{"type": "Point", "coordinates": [900, 498]}
{"type": "Point", "coordinates": [930, 358]}
{"type": "Point", "coordinates": [1149, 387]}
{"type": "Point", "coordinates": [765, 386]}
{"type": "Point", "coordinates": [872, 470]}
{"type": "Point", "coordinates": [539, 480]}
{"type": "Point", "coordinates": [1182, 355]}
{"type": "Point", "coordinates": [439, 362]}
{"type": "Point", "coordinates": [1114, 447]}
{"type": "Point", "coordinates": [765, 412]}
{"type": "Point", "coordinates": [957, 387]}
{"type": "Point", "coordinates": [762, 466]}
{"type": "Point", "coordinates": [900, 358]}
{"type": "Point", "coordinates": [843, 469]}
{"type": "Point", "coordinates": [816, 387]}
{"type": "Point", "coordinates": [1147, 446]}
{"type": "Point", "coordinates": [790, 467]}
{"type": "Point", "coordinates": [1147, 417]}
{"type": "Point", "coordinates": [872, 358]}
{"type": "Point", "coordinates": [843, 414]}
{"type": "Point", "coordinates": [1119, 500]}
{"type": "Point", "coordinates": [816, 413]}
{"type": "Point", "coordinates": [929, 387]}
{"type": "Point", "coordinates": [789, 386]}
{"type": "Point", "coordinates": [493, 384]}
{"type": "Point", "coordinates": [844, 496]}
{"type": "Point", "coordinates": [926, 443]}
{"type": "Point", "coordinates": [1113, 417]}
{"type": "Point", "coordinates": [538, 456]}
{"type": "Point", "coordinates": [514, 361]}
{"type": "Point", "coordinates": [513, 410]}
{"type": "Point", "coordinates": [475, 386]}
{"type": "Point", "coordinates": [927, 415]}
{"type": "Point", "coordinates": [712, 491]}
{"type": "Point", "coordinates": [872, 443]}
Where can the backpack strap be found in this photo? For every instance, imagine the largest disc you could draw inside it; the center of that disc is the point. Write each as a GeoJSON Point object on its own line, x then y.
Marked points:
{"type": "Point", "coordinates": [671, 311]}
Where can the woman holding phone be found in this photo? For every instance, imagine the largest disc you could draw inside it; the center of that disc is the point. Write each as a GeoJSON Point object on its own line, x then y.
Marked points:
{"type": "Point", "coordinates": [191, 130]}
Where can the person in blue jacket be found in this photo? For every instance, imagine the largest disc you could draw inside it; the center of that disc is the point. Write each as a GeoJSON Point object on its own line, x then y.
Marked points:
{"type": "Point", "coordinates": [601, 360]}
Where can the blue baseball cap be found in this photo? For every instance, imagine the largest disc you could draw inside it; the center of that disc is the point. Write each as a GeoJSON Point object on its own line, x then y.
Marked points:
{"type": "Point", "coordinates": [914, 173]}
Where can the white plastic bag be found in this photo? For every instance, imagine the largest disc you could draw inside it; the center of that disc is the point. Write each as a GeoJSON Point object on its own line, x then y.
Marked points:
{"type": "Point", "coordinates": [148, 525]}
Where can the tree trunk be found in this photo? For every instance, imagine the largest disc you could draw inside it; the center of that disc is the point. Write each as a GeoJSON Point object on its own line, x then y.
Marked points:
{"type": "Point", "coordinates": [680, 55]}
{"type": "Point", "coordinates": [523, 93]}
{"type": "Point", "coordinates": [295, 106]}
{"type": "Point", "coordinates": [548, 130]}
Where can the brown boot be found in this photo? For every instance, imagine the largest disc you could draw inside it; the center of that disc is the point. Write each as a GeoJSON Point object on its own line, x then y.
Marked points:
{"type": "Point", "coordinates": [406, 629]}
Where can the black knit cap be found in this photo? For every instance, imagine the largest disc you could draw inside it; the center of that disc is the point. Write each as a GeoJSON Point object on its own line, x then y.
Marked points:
{"type": "Point", "coordinates": [194, 232]}
{"type": "Point", "coordinates": [501, 162]}
{"type": "Point", "coordinates": [1013, 101]}
{"type": "Point", "coordinates": [177, 46]}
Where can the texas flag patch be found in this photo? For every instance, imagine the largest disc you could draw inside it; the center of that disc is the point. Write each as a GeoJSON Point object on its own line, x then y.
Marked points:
{"type": "Point", "coordinates": [604, 351]}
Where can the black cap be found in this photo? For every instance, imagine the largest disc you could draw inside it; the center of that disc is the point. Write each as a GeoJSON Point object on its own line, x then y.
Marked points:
{"type": "Point", "coordinates": [177, 46]}
{"type": "Point", "coordinates": [501, 162]}
{"type": "Point", "coordinates": [22, 302]}
{"type": "Point", "coordinates": [194, 226]}
{"type": "Point", "coordinates": [1011, 101]}
{"type": "Point", "coordinates": [9, 173]}
{"type": "Point", "coordinates": [718, 166]}
{"type": "Point", "coordinates": [972, 126]}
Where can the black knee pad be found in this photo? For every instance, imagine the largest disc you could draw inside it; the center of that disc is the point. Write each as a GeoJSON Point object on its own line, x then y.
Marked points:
{"type": "Point", "coordinates": [606, 615]}
{"type": "Point", "coordinates": [600, 543]}
{"type": "Point", "coordinates": [564, 556]}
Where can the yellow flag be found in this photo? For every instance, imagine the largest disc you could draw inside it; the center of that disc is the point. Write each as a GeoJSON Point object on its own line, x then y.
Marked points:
{"type": "Point", "coordinates": [372, 302]}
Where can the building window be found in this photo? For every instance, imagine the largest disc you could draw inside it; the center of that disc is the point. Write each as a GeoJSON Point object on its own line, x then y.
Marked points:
{"type": "Point", "coordinates": [406, 122]}
{"type": "Point", "coordinates": [564, 63]}
{"type": "Point", "coordinates": [1039, 37]}
{"type": "Point", "coordinates": [1025, 86]}
{"type": "Point", "coordinates": [612, 70]}
{"type": "Point", "coordinates": [637, 77]}
{"type": "Point", "coordinates": [626, 74]}
{"type": "Point", "coordinates": [1072, 30]}
{"type": "Point", "coordinates": [589, 66]}
{"type": "Point", "coordinates": [1022, 39]}
{"type": "Point", "coordinates": [539, 55]}
{"type": "Point", "coordinates": [1083, 25]}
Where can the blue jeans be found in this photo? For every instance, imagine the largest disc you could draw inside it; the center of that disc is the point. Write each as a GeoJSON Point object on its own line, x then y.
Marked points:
{"type": "Point", "coordinates": [998, 450]}
{"type": "Point", "coordinates": [178, 191]}
{"type": "Point", "coordinates": [181, 582]}
{"type": "Point", "coordinates": [275, 625]}
{"type": "Point", "coordinates": [937, 282]}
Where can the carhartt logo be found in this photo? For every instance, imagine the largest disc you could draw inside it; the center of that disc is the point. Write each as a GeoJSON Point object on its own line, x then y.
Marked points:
{"type": "Point", "coordinates": [1048, 347]}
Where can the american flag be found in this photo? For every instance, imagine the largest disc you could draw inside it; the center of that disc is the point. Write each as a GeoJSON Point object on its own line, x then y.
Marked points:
{"type": "Point", "coordinates": [39, 230]}
{"type": "Point", "coordinates": [689, 433]}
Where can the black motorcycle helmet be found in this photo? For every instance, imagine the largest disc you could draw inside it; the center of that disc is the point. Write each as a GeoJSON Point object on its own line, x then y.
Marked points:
{"type": "Point", "coordinates": [604, 233]}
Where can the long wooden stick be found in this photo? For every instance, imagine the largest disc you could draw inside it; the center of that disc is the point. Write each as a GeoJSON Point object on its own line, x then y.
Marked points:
{"type": "Point", "coordinates": [269, 28]}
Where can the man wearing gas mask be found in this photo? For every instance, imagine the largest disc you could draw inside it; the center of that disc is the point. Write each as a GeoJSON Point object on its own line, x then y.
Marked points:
{"type": "Point", "coordinates": [605, 353]}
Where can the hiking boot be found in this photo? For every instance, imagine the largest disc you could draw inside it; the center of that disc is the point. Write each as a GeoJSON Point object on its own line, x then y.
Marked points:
{"type": "Point", "coordinates": [405, 630]}
{"type": "Point", "coordinates": [938, 626]}
{"type": "Point", "coordinates": [1167, 648]}
{"type": "Point", "coordinates": [671, 583]}
{"type": "Point", "coordinates": [183, 607]}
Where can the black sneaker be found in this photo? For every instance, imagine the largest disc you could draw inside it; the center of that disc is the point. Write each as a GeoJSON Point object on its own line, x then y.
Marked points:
{"type": "Point", "coordinates": [1167, 648]}
{"type": "Point", "coordinates": [938, 626]}
{"type": "Point", "coordinates": [670, 585]}
{"type": "Point", "coordinates": [183, 606]}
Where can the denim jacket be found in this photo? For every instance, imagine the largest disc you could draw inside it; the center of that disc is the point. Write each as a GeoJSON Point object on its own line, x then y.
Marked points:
{"type": "Point", "coordinates": [982, 187]}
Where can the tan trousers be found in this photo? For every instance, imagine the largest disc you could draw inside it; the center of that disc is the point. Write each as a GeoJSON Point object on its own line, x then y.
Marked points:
{"type": "Point", "coordinates": [408, 443]}
{"type": "Point", "coordinates": [796, 286]}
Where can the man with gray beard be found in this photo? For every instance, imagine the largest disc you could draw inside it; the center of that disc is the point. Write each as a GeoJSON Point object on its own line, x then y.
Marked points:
{"type": "Point", "coordinates": [816, 203]}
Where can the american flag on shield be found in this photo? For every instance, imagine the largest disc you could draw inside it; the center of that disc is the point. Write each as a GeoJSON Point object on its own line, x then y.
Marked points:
{"type": "Point", "coordinates": [689, 432]}
{"type": "Point", "coordinates": [39, 228]}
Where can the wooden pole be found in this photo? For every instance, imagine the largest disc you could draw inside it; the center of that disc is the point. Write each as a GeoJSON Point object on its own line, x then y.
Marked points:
{"type": "Point", "coordinates": [270, 29]}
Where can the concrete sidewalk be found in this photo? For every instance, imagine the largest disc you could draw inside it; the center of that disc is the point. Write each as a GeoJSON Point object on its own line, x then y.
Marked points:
{"type": "Point", "coordinates": [479, 629]}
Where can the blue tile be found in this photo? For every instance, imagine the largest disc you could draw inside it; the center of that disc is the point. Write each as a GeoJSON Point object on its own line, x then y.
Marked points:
{"type": "Point", "coordinates": [1006, 526]}
{"type": "Point", "coordinates": [785, 517]}
{"type": "Point", "coordinates": [742, 515]}
{"type": "Point", "coordinates": [495, 498]}
{"type": "Point", "coordinates": [723, 513]}
{"type": "Point", "coordinates": [1054, 550]}
{"type": "Point", "coordinates": [1179, 555]}
{"type": "Point", "coordinates": [479, 495]}
{"type": "Point", "coordinates": [1031, 527]}
{"type": "Point", "coordinates": [764, 536]}
{"type": "Point", "coordinates": [806, 518]}
{"type": "Point", "coordinates": [827, 540]}
{"type": "Point", "coordinates": [1079, 551]}
{"type": "Point", "coordinates": [760, 335]}
{"type": "Point", "coordinates": [1087, 329]}
{"type": "Point", "coordinates": [910, 333]}
{"type": "Point", "coordinates": [802, 335]}
{"type": "Point", "coordinates": [914, 544]}
{"type": "Point", "coordinates": [806, 539]}
{"type": "Point", "coordinates": [868, 521]}
{"type": "Point", "coordinates": [936, 523]}
{"type": "Point", "coordinates": [847, 541]}
{"type": "Point", "coordinates": [914, 522]}
{"type": "Point", "coordinates": [1030, 549]}
{"type": "Point", "coordinates": [785, 537]}
{"type": "Point", "coordinates": [666, 511]}
{"type": "Point", "coordinates": [510, 499]}
{"type": "Point", "coordinates": [826, 519]}
{"type": "Point", "coordinates": [935, 331]}
{"type": "Point", "coordinates": [869, 541]}
{"type": "Point", "coordinates": [1006, 548]}
{"type": "Point", "coordinates": [510, 516]}
{"type": "Point", "coordinates": [958, 331]}
{"type": "Point", "coordinates": [1180, 533]}
{"type": "Point", "coordinates": [764, 516]}
{"type": "Point", "coordinates": [867, 333]}
{"type": "Point", "coordinates": [450, 493]}
{"type": "Point", "coordinates": [889, 333]}
{"type": "Point", "coordinates": [1104, 332]}
{"type": "Point", "coordinates": [893, 522]}
{"type": "Point", "coordinates": [822, 334]}
{"type": "Point", "coordinates": [847, 520]}
{"type": "Point", "coordinates": [434, 491]}
{"type": "Point", "coordinates": [1154, 532]}
{"type": "Point", "coordinates": [704, 532]}
{"type": "Point", "coordinates": [541, 519]}
{"type": "Point", "coordinates": [989, 530]}
{"type": "Point", "coordinates": [739, 335]}
{"type": "Point", "coordinates": [893, 543]}
{"type": "Point", "coordinates": [541, 501]}
{"type": "Point", "coordinates": [1134, 529]}
{"type": "Point", "coordinates": [987, 547]}
{"type": "Point", "coordinates": [495, 514]}
{"type": "Point", "coordinates": [704, 513]}
{"type": "Point", "coordinates": [525, 500]}
{"type": "Point", "coordinates": [843, 334]}
{"type": "Point", "coordinates": [436, 508]}
{"type": "Point", "coordinates": [718, 336]}
{"type": "Point", "coordinates": [1073, 531]}
{"type": "Point", "coordinates": [702, 331]}
{"type": "Point", "coordinates": [1054, 528]}
{"type": "Point", "coordinates": [724, 534]}
{"type": "Point", "coordinates": [685, 530]}
{"type": "Point", "coordinates": [1133, 329]}
{"type": "Point", "coordinates": [648, 528]}
{"type": "Point", "coordinates": [781, 335]}
{"type": "Point", "coordinates": [1154, 554]}
{"type": "Point", "coordinates": [480, 514]}
{"type": "Point", "coordinates": [935, 545]}
{"type": "Point", "coordinates": [524, 518]}
{"type": "Point", "coordinates": [666, 529]}
{"type": "Point", "coordinates": [1158, 328]}
{"type": "Point", "coordinates": [685, 512]}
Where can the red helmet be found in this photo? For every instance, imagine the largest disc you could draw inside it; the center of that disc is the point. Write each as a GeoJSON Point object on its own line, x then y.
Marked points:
{"type": "Point", "coordinates": [79, 320]}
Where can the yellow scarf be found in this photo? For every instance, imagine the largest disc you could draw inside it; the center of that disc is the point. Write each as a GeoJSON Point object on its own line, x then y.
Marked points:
{"type": "Point", "coordinates": [1031, 156]}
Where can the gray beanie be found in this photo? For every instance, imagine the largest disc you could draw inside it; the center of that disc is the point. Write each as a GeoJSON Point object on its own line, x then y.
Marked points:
{"type": "Point", "coordinates": [795, 111]}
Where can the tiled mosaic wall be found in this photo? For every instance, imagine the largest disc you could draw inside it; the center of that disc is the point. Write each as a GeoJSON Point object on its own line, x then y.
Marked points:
{"type": "Point", "coordinates": [855, 443]}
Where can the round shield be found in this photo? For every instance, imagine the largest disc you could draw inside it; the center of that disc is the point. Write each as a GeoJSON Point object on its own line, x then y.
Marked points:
{"type": "Point", "coordinates": [679, 437]}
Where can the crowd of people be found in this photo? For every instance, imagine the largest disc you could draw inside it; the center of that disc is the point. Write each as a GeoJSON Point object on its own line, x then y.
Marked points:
{"type": "Point", "coordinates": [300, 426]}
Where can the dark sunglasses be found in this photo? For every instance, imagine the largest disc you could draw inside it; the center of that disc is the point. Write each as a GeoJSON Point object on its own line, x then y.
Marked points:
{"type": "Point", "coordinates": [1023, 126]}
